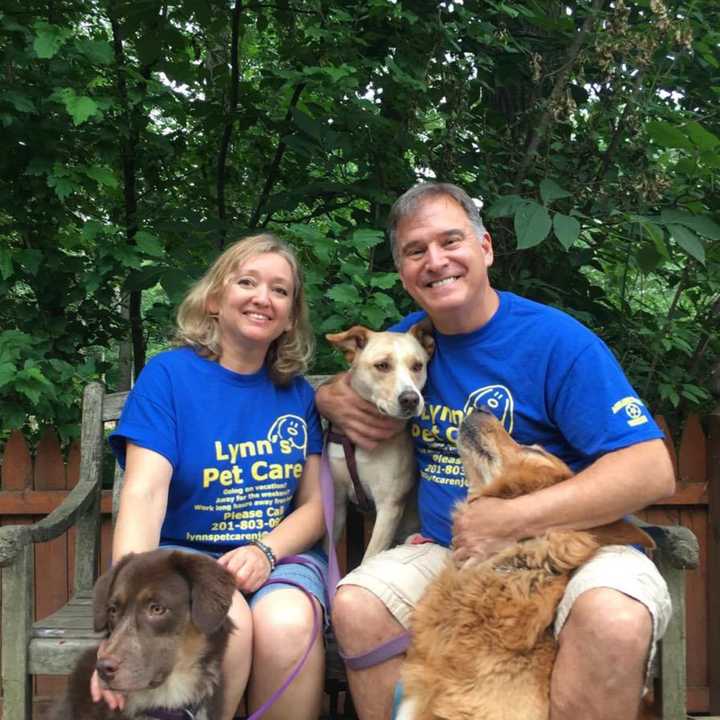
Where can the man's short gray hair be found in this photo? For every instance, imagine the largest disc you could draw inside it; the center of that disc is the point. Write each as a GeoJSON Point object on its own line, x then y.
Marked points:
{"type": "Point", "coordinates": [408, 202]}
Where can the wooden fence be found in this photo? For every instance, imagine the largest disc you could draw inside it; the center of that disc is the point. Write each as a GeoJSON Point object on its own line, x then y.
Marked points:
{"type": "Point", "coordinates": [33, 484]}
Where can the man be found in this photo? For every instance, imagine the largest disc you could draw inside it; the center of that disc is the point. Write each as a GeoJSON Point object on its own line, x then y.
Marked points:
{"type": "Point", "coordinates": [552, 382]}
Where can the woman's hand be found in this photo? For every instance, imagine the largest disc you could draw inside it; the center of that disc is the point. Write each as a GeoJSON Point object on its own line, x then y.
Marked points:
{"type": "Point", "coordinates": [248, 565]}
{"type": "Point", "coordinates": [114, 700]}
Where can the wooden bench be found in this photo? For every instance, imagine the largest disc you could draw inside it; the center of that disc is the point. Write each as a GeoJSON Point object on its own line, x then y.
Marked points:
{"type": "Point", "coordinates": [51, 645]}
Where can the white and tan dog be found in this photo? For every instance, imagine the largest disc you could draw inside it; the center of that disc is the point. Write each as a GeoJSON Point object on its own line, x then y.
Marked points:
{"type": "Point", "coordinates": [389, 370]}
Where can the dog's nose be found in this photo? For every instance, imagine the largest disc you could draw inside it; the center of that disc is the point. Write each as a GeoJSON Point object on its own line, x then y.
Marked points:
{"type": "Point", "coordinates": [107, 667]}
{"type": "Point", "coordinates": [409, 401]}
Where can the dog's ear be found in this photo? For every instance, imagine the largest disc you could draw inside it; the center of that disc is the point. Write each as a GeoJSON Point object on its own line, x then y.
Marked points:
{"type": "Point", "coordinates": [101, 593]}
{"type": "Point", "coordinates": [621, 532]}
{"type": "Point", "coordinates": [211, 590]}
{"type": "Point", "coordinates": [423, 332]}
{"type": "Point", "coordinates": [350, 341]}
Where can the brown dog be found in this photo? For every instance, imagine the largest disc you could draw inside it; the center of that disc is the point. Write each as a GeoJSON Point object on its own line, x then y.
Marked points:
{"type": "Point", "coordinates": [482, 642]}
{"type": "Point", "coordinates": [165, 613]}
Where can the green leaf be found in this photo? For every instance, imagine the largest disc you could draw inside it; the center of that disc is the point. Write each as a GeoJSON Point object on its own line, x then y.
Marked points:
{"type": "Point", "coordinates": [102, 175]}
{"type": "Point", "coordinates": [550, 190]}
{"type": "Point", "coordinates": [648, 258]}
{"type": "Point", "coordinates": [309, 125]}
{"type": "Point", "coordinates": [505, 206]}
{"type": "Point", "coordinates": [22, 103]}
{"type": "Point", "coordinates": [667, 135]}
{"type": "Point", "coordinates": [80, 108]}
{"type": "Point", "coordinates": [149, 243]}
{"type": "Point", "coordinates": [366, 238]}
{"type": "Point", "coordinates": [688, 241]}
{"type": "Point", "coordinates": [30, 260]}
{"type": "Point", "coordinates": [49, 39]}
{"type": "Point", "coordinates": [567, 229]}
{"type": "Point", "coordinates": [344, 294]}
{"type": "Point", "coordinates": [384, 281]}
{"type": "Point", "coordinates": [175, 283]}
{"type": "Point", "coordinates": [532, 225]}
{"type": "Point", "coordinates": [7, 373]}
{"type": "Point", "coordinates": [701, 224]}
{"type": "Point", "coordinates": [703, 138]}
{"type": "Point", "coordinates": [62, 185]}
{"type": "Point", "coordinates": [6, 263]}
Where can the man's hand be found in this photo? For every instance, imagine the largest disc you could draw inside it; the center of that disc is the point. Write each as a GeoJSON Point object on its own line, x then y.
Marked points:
{"type": "Point", "coordinates": [483, 528]}
{"type": "Point", "coordinates": [357, 418]}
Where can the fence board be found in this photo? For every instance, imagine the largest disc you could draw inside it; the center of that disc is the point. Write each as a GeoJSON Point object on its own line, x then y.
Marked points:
{"type": "Point", "coordinates": [17, 464]}
{"type": "Point", "coordinates": [51, 561]}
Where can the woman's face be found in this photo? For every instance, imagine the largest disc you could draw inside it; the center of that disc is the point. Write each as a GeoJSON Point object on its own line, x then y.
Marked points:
{"type": "Point", "coordinates": [255, 307]}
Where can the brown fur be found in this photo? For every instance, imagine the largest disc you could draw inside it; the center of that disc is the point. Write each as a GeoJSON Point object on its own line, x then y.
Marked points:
{"type": "Point", "coordinates": [165, 614]}
{"type": "Point", "coordinates": [482, 646]}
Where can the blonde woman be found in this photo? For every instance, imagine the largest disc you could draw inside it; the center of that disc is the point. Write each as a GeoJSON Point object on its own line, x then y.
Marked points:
{"type": "Point", "coordinates": [220, 441]}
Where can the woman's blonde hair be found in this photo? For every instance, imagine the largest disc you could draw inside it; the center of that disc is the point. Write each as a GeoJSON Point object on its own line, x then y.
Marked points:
{"type": "Point", "coordinates": [197, 327]}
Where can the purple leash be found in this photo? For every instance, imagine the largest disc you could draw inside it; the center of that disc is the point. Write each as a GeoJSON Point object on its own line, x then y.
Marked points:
{"type": "Point", "coordinates": [327, 490]}
{"type": "Point", "coordinates": [296, 559]}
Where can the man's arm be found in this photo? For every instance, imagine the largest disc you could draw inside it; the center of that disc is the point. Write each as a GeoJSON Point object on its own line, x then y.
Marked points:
{"type": "Point", "coordinates": [356, 417]}
{"type": "Point", "coordinates": [616, 484]}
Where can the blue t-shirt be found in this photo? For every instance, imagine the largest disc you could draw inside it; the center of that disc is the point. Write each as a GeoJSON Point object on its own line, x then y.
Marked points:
{"type": "Point", "coordinates": [237, 444]}
{"type": "Point", "coordinates": [549, 379]}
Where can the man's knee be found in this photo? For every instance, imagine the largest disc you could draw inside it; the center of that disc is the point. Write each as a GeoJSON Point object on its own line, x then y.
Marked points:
{"type": "Point", "coordinates": [604, 618]}
{"type": "Point", "coordinates": [359, 618]}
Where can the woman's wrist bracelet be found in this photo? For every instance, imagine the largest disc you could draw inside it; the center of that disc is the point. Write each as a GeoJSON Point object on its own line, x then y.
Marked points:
{"type": "Point", "coordinates": [267, 551]}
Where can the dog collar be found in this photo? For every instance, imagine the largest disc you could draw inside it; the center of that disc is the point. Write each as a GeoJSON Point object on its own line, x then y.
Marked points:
{"type": "Point", "coordinates": [186, 713]}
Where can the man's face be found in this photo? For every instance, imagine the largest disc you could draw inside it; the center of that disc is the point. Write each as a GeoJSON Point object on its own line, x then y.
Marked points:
{"type": "Point", "coordinates": [443, 265]}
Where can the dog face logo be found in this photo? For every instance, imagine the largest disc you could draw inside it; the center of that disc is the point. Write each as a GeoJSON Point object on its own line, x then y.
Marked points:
{"type": "Point", "coordinates": [634, 410]}
{"type": "Point", "coordinates": [497, 399]}
{"type": "Point", "coordinates": [290, 431]}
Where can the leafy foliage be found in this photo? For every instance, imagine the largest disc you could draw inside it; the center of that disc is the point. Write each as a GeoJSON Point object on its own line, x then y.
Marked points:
{"type": "Point", "coordinates": [142, 137]}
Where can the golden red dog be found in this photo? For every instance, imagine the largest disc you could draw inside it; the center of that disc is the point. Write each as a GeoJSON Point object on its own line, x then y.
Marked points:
{"type": "Point", "coordinates": [482, 646]}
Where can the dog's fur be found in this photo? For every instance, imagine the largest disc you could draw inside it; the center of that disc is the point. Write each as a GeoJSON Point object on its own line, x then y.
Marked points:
{"type": "Point", "coordinates": [389, 370]}
{"type": "Point", "coordinates": [165, 614]}
{"type": "Point", "coordinates": [482, 643]}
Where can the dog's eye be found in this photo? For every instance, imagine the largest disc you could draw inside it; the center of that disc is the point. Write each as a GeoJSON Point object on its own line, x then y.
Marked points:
{"type": "Point", "coordinates": [156, 609]}
{"type": "Point", "coordinates": [382, 366]}
{"type": "Point", "coordinates": [417, 367]}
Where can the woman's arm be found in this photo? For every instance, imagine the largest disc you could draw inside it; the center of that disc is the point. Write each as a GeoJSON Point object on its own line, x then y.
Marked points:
{"type": "Point", "coordinates": [143, 501]}
{"type": "Point", "coordinates": [298, 532]}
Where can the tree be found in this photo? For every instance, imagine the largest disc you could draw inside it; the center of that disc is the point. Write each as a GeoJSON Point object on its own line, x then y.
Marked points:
{"type": "Point", "coordinates": [143, 137]}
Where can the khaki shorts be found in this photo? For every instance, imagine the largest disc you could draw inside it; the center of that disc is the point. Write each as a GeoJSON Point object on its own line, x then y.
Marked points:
{"type": "Point", "coordinates": [398, 577]}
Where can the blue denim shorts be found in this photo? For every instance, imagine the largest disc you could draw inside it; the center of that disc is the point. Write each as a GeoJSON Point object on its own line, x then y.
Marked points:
{"type": "Point", "coordinates": [315, 582]}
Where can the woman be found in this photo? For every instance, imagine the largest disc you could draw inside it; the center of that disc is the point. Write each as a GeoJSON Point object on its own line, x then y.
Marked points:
{"type": "Point", "coordinates": [220, 441]}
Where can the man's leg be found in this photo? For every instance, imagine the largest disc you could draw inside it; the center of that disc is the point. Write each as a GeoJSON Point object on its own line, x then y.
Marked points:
{"type": "Point", "coordinates": [362, 622]}
{"type": "Point", "coordinates": [613, 612]}
{"type": "Point", "coordinates": [373, 605]}
{"type": "Point", "coordinates": [599, 673]}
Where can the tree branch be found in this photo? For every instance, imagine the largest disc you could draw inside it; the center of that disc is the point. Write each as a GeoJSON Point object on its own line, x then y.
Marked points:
{"type": "Point", "coordinates": [558, 89]}
{"type": "Point", "coordinates": [229, 121]}
{"type": "Point", "coordinates": [275, 165]}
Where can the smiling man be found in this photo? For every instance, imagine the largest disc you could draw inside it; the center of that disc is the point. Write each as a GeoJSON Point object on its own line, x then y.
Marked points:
{"type": "Point", "coordinates": [551, 382]}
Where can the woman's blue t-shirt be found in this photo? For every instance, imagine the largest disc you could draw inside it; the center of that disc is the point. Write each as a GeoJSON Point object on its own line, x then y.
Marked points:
{"type": "Point", "coordinates": [237, 445]}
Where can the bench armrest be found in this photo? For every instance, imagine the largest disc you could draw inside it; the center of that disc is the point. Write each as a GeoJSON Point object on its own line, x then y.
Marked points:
{"type": "Point", "coordinates": [678, 544]}
{"type": "Point", "coordinates": [82, 499]}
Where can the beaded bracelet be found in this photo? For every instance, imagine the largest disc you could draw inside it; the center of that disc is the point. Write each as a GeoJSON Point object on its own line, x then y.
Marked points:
{"type": "Point", "coordinates": [267, 551]}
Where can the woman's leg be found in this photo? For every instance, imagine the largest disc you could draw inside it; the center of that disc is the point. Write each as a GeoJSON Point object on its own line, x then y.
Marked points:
{"type": "Point", "coordinates": [282, 631]}
{"type": "Point", "coordinates": [236, 663]}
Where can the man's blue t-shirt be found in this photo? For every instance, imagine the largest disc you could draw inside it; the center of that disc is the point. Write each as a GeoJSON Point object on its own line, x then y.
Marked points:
{"type": "Point", "coordinates": [237, 444]}
{"type": "Point", "coordinates": [549, 379]}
